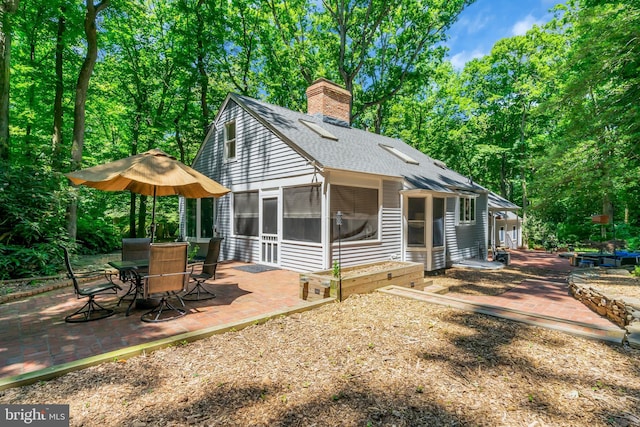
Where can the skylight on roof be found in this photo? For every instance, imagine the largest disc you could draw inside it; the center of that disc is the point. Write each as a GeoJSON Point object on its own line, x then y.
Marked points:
{"type": "Point", "coordinates": [440, 164]}
{"type": "Point", "coordinates": [319, 130]}
{"type": "Point", "coordinates": [399, 154]}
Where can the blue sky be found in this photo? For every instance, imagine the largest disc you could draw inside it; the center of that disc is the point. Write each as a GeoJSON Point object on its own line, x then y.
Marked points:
{"type": "Point", "coordinates": [485, 22]}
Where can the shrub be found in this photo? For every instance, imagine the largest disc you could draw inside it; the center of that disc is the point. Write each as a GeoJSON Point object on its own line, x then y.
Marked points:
{"type": "Point", "coordinates": [32, 219]}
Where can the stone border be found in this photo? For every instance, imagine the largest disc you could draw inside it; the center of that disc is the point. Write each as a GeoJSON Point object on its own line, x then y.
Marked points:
{"type": "Point", "coordinates": [56, 284]}
{"type": "Point", "coordinates": [35, 291]}
{"type": "Point", "coordinates": [623, 311]}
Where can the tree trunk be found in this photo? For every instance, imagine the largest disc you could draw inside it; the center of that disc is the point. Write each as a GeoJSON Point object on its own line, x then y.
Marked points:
{"type": "Point", "coordinates": [203, 77]}
{"type": "Point", "coordinates": [56, 140]}
{"type": "Point", "coordinates": [81, 97]}
{"type": "Point", "coordinates": [31, 96]}
{"type": "Point", "coordinates": [82, 84]}
{"type": "Point", "coordinates": [134, 150]}
{"type": "Point", "coordinates": [523, 164]}
{"type": "Point", "coordinates": [7, 8]}
{"type": "Point", "coordinates": [142, 217]}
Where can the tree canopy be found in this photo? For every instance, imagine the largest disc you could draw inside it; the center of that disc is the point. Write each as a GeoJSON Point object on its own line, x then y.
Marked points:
{"type": "Point", "coordinates": [549, 120]}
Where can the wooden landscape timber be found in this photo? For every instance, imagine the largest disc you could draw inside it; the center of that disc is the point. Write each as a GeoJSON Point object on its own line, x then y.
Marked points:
{"type": "Point", "coordinates": [360, 279]}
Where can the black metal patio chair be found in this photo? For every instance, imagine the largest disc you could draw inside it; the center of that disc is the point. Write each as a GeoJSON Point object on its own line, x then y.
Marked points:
{"type": "Point", "coordinates": [91, 310]}
{"type": "Point", "coordinates": [199, 292]}
{"type": "Point", "coordinates": [133, 249]}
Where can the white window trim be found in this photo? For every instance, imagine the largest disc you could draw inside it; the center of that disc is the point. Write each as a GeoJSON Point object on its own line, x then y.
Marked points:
{"type": "Point", "coordinates": [460, 202]}
{"type": "Point", "coordinates": [226, 141]}
{"type": "Point", "coordinates": [428, 225]}
{"type": "Point", "coordinates": [424, 224]}
{"type": "Point", "coordinates": [444, 218]}
{"type": "Point", "coordinates": [197, 237]}
{"type": "Point", "coordinates": [302, 242]}
{"type": "Point", "coordinates": [232, 219]}
{"type": "Point", "coordinates": [360, 184]}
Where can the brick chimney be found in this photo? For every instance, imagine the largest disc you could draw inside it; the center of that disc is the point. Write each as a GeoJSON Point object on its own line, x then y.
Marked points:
{"type": "Point", "coordinates": [329, 99]}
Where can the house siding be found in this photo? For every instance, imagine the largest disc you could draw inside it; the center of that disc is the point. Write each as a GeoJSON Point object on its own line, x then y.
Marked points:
{"type": "Point", "coordinates": [300, 257]}
{"type": "Point", "coordinates": [260, 154]}
{"type": "Point", "coordinates": [261, 157]}
{"type": "Point", "coordinates": [417, 256]}
{"type": "Point", "coordinates": [385, 249]}
{"type": "Point", "coordinates": [508, 229]}
{"type": "Point", "coordinates": [466, 241]}
{"type": "Point", "coordinates": [270, 157]}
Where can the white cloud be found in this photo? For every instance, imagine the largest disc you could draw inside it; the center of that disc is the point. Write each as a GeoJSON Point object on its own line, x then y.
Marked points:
{"type": "Point", "coordinates": [460, 59]}
{"type": "Point", "coordinates": [475, 25]}
{"type": "Point", "coordinates": [521, 27]}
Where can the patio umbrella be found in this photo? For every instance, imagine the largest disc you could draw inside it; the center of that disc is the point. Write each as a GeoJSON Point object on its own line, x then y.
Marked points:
{"type": "Point", "coordinates": [152, 173]}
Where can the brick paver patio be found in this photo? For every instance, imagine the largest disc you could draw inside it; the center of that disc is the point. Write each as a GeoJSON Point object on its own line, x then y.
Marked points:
{"type": "Point", "coordinates": [33, 334]}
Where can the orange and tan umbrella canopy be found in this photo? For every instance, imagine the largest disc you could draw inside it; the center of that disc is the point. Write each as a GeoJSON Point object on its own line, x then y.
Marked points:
{"type": "Point", "coordinates": [152, 173]}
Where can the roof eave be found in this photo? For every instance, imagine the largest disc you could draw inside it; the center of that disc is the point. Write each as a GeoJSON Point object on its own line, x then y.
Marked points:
{"type": "Point", "coordinates": [273, 129]}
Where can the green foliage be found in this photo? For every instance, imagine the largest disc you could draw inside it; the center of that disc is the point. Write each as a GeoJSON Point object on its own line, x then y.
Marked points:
{"type": "Point", "coordinates": [336, 269]}
{"type": "Point", "coordinates": [32, 204]}
{"type": "Point", "coordinates": [41, 259]}
{"type": "Point", "coordinates": [32, 220]}
{"type": "Point", "coordinates": [549, 118]}
{"type": "Point", "coordinates": [193, 251]}
{"type": "Point", "coordinates": [96, 235]}
{"type": "Point", "coordinates": [536, 231]}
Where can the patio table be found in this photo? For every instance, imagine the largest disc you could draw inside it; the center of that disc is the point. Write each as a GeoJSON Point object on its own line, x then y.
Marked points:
{"type": "Point", "coordinates": [127, 271]}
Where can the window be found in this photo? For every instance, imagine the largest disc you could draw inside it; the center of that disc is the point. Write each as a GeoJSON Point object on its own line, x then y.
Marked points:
{"type": "Point", "coordinates": [359, 207]}
{"type": "Point", "coordinates": [501, 235]}
{"type": "Point", "coordinates": [399, 154]}
{"type": "Point", "coordinates": [207, 207]}
{"type": "Point", "coordinates": [438, 222]}
{"type": "Point", "coordinates": [230, 141]}
{"type": "Point", "coordinates": [245, 213]}
{"type": "Point", "coordinates": [302, 215]}
{"type": "Point", "coordinates": [467, 209]}
{"type": "Point", "coordinates": [192, 217]}
{"type": "Point", "coordinates": [416, 218]}
{"type": "Point", "coordinates": [200, 217]}
{"type": "Point", "coordinates": [319, 130]}
{"type": "Point", "coordinates": [270, 216]}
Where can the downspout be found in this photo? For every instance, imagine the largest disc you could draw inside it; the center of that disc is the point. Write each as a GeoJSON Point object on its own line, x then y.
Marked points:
{"type": "Point", "coordinates": [493, 237]}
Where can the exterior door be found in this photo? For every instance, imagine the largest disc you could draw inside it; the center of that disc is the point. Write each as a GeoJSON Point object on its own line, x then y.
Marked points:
{"type": "Point", "coordinates": [269, 231]}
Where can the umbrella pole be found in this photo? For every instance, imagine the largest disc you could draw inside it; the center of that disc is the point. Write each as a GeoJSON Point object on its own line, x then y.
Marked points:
{"type": "Point", "coordinates": [153, 216]}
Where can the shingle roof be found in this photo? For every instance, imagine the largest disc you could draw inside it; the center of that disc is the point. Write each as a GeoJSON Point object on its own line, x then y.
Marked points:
{"type": "Point", "coordinates": [498, 202]}
{"type": "Point", "coordinates": [355, 149]}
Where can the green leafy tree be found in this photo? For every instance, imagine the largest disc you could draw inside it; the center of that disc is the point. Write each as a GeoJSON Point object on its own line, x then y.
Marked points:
{"type": "Point", "coordinates": [7, 9]}
{"type": "Point", "coordinates": [593, 165]}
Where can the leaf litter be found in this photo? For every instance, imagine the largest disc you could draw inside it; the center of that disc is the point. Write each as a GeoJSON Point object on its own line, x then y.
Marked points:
{"type": "Point", "coordinates": [371, 360]}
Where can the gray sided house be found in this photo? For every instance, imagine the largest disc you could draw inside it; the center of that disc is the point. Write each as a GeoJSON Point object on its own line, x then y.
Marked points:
{"type": "Point", "coordinates": [290, 173]}
{"type": "Point", "coordinates": [505, 226]}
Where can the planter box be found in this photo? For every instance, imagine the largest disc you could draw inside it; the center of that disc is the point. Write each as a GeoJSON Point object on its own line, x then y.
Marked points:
{"type": "Point", "coordinates": [360, 279]}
